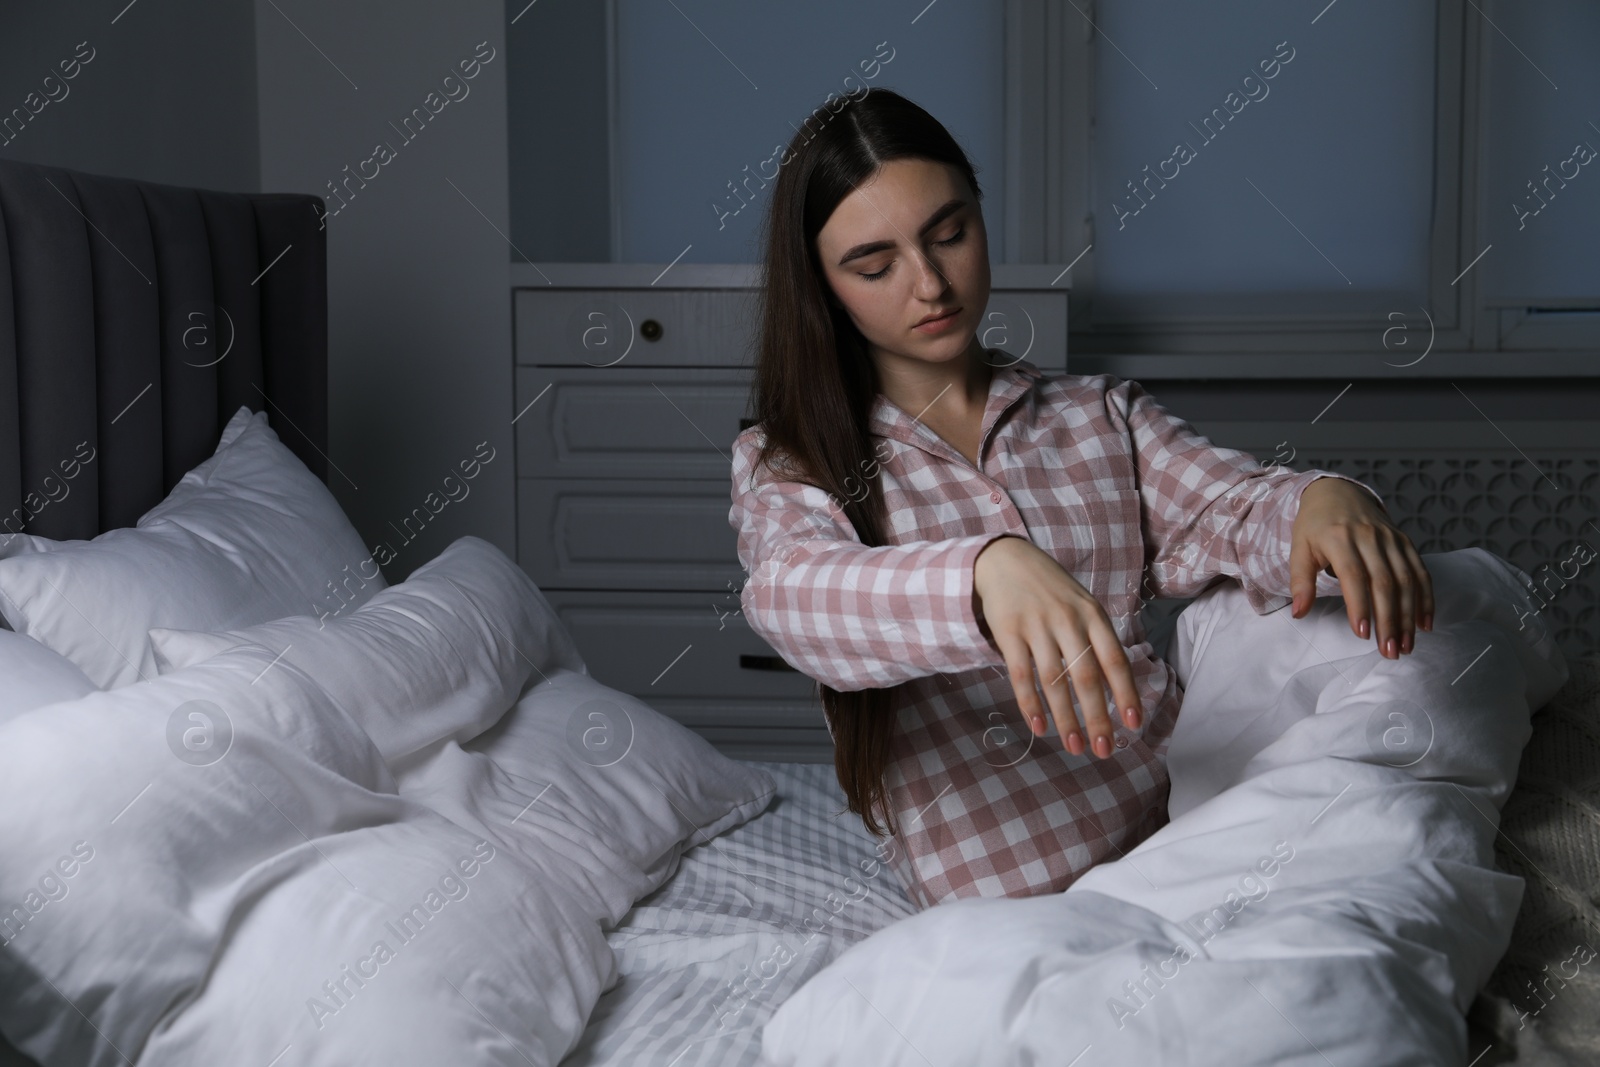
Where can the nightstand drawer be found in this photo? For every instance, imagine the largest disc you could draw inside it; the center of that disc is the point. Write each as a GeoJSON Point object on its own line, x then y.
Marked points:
{"type": "Point", "coordinates": [577, 533]}
{"type": "Point", "coordinates": [693, 658]}
{"type": "Point", "coordinates": [606, 328]}
{"type": "Point", "coordinates": [629, 422]}
{"type": "Point", "coordinates": [691, 645]}
{"type": "Point", "coordinates": [599, 329]}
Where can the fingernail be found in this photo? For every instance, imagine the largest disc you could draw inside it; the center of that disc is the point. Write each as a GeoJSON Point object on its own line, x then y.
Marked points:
{"type": "Point", "coordinates": [1075, 744]}
{"type": "Point", "coordinates": [1388, 648]}
{"type": "Point", "coordinates": [1427, 621]}
{"type": "Point", "coordinates": [1405, 643]}
{"type": "Point", "coordinates": [1363, 629]}
{"type": "Point", "coordinates": [1131, 717]}
{"type": "Point", "coordinates": [1102, 747]}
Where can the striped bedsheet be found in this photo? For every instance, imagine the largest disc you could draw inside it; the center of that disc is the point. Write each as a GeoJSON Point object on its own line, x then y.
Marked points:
{"type": "Point", "coordinates": [747, 918]}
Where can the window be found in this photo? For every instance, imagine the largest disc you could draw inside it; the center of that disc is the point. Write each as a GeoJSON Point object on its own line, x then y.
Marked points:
{"type": "Point", "coordinates": [706, 92]}
{"type": "Point", "coordinates": [1246, 178]}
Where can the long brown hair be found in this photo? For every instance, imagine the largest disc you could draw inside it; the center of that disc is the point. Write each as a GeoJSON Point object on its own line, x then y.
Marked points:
{"type": "Point", "coordinates": [815, 383]}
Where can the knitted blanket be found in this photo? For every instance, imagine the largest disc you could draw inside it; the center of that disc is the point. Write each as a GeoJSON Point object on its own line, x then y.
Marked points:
{"type": "Point", "coordinates": [1542, 1004]}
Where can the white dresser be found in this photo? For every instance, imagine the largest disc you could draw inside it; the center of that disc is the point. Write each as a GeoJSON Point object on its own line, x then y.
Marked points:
{"type": "Point", "coordinates": [631, 386]}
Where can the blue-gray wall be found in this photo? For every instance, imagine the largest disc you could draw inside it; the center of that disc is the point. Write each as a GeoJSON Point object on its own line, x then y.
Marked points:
{"type": "Point", "coordinates": [282, 96]}
{"type": "Point", "coordinates": [559, 132]}
{"type": "Point", "coordinates": [169, 94]}
{"type": "Point", "coordinates": [419, 322]}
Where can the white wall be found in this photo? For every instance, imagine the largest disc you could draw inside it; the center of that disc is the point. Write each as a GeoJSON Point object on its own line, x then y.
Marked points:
{"type": "Point", "coordinates": [419, 308]}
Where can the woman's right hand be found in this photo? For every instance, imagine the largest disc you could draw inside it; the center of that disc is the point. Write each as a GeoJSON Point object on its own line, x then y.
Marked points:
{"type": "Point", "coordinates": [1040, 615]}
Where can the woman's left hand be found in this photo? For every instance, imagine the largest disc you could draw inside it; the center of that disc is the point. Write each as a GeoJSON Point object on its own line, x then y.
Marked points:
{"type": "Point", "coordinates": [1341, 528]}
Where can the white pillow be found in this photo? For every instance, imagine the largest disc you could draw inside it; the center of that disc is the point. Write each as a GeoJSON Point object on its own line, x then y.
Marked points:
{"type": "Point", "coordinates": [32, 676]}
{"type": "Point", "coordinates": [431, 666]}
{"type": "Point", "coordinates": [440, 656]}
{"type": "Point", "coordinates": [627, 787]}
{"type": "Point", "coordinates": [247, 536]}
{"type": "Point", "coordinates": [200, 869]}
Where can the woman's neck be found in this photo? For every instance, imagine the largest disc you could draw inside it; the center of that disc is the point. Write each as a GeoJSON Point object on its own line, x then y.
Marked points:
{"type": "Point", "coordinates": [921, 388]}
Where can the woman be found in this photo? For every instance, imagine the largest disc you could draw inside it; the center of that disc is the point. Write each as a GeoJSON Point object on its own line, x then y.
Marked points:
{"type": "Point", "coordinates": [924, 528]}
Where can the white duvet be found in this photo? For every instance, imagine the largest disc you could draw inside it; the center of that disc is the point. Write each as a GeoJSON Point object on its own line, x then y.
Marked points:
{"type": "Point", "coordinates": [1325, 892]}
{"type": "Point", "coordinates": [243, 882]}
{"type": "Point", "coordinates": [219, 865]}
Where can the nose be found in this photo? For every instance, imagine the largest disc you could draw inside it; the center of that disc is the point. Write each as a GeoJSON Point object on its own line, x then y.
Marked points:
{"type": "Point", "coordinates": [930, 283]}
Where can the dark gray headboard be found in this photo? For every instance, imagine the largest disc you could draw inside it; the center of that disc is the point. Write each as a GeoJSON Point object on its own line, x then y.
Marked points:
{"type": "Point", "coordinates": [117, 298]}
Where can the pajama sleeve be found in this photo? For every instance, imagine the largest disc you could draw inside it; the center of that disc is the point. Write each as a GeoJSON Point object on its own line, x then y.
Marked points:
{"type": "Point", "coordinates": [1209, 511]}
{"type": "Point", "coordinates": [850, 616]}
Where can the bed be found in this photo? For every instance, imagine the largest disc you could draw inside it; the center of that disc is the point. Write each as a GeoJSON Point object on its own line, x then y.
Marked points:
{"type": "Point", "coordinates": [748, 919]}
{"type": "Point", "coordinates": [629, 910]}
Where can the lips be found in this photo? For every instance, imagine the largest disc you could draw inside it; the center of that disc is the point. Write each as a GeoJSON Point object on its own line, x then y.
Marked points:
{"type": "Point", "coordinates": [939, 316]}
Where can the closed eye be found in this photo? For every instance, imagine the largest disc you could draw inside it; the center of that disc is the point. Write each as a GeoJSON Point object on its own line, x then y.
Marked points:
{"type": "Point", "coordinates": [956, 239]}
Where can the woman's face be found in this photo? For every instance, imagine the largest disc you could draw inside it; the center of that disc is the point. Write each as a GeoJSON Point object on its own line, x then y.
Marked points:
{"type": "Point", "coordinates": [909, 243]}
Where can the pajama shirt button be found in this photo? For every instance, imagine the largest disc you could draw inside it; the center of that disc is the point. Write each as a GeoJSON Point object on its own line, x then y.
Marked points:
{"type": "Point", "coordinates": [995, 497]}
{"type": "Point", "coordinates": [1122, 742]}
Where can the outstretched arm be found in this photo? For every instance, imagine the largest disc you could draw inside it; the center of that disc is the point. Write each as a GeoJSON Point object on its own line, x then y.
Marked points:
{"type": "Point", "coordinates": [1208, 511]}
{"type": "Point", "coordinates": [851, 616]}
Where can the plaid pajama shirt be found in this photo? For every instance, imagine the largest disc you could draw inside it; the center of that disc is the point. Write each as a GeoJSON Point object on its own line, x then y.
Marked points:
{"type": "Point", "coordinates": [1096, 473]}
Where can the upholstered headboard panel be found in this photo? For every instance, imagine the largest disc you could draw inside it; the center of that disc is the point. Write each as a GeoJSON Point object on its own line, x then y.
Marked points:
{"type": "Point", "coordinates": [135, 319]}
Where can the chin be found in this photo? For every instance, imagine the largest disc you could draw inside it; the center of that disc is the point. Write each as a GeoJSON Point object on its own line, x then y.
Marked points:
{"type": "Point", "coordinates": [944, 350]}
{"type": "Point", "coordinates": [950, 347]}
{"type": "Point", "coordinates": [935, 349]}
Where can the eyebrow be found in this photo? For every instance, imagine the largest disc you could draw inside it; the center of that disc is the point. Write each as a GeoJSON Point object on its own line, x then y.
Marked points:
{"type": "Point", "coordinates": [937, 217]}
